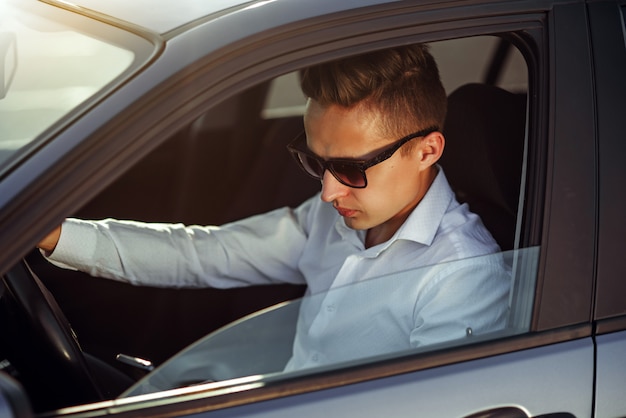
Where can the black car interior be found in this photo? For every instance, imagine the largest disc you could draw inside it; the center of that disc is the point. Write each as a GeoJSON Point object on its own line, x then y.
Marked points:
{"type": "Point", "coordinates": [217, 170]}
{"type": "Point", "coordinates": [485, 131]}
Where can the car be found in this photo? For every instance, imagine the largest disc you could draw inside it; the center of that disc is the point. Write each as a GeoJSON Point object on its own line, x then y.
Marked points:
{"type": "Point", "coordinates": [166, 111]}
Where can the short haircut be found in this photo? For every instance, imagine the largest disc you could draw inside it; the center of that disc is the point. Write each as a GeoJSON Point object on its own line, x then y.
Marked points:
{"type": "Point", "coordinates": [400, 85]}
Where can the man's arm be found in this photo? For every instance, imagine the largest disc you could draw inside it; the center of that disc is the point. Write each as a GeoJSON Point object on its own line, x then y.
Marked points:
{"type": "Point", "coordinates": [466, 297]}
{"type": "Point", "coordinates": [258, 250]}
{"type": "Point", "coordinates": [49, 243]}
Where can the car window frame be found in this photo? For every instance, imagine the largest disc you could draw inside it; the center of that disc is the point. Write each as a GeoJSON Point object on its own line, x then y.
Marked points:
{"type": "Point", "coordinates": [608, 29]}
{"type": "Point", "coordinates": [564, 294]}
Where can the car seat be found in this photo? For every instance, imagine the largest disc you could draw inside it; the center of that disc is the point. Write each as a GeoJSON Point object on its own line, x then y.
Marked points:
{"type": "Point", "coordinates": [274, 179]}
{"type": "Point", "coordinates": [485, 131]}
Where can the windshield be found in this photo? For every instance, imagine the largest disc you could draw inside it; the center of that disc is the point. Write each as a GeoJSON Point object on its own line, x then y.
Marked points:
{"type": "Point", "coordinates": [279, 341]}
{"type": "Point", "coordinates": [51, 62]}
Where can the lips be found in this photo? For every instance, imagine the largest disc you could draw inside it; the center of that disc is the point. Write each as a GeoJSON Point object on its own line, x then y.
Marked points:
{"type": "Point", "coordinates": [346, 213]}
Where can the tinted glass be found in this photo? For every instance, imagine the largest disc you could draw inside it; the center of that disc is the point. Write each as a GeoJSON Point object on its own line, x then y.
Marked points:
{"type": "Point", "coordinates": [265, 343]}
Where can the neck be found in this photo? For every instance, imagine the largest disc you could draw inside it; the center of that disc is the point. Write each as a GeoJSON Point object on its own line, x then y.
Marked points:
{"type": "Point", "coordinates": [383, 232]}
{"type": "Point", "coordinates": [377, 236]}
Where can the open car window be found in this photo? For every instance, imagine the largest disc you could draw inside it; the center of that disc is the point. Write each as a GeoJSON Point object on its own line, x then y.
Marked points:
{"type": "Point", "coordinates": [250, 171]}
{"type": "Point", "coordinates": [485, 163]}
{"type": "Point", "coordinates": [271, 344]}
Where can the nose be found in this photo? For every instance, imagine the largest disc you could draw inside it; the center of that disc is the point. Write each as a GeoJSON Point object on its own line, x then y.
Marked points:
{"type": "Point", "coordinates": [331, 188]}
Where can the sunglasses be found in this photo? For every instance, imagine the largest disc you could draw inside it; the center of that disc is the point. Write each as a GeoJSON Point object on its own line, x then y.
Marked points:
{"type": "Point", "coordinates": [347, 171]}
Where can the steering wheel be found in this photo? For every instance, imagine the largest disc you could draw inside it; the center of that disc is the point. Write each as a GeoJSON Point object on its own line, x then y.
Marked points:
{"type": "Point", "coordinates": [42, 346]}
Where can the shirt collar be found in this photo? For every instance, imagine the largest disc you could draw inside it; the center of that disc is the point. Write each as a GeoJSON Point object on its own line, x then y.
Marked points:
{"type": "Point", "coordinates": [421, 225]}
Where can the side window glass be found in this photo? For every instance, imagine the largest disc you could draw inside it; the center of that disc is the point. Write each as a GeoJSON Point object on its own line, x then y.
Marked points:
{"type": "Point", "coordinates": [476, 299]}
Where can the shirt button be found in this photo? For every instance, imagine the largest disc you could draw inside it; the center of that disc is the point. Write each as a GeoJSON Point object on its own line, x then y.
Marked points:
{"type": "Point", "coordinates": [315, 358]}
{"type": "Point", "coordinates": [330, 308]}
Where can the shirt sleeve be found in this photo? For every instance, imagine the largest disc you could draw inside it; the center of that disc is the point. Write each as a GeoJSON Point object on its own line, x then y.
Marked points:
{"type": "Point", "coordinates": [466, 297]}
{"type": "Point", "coordinates": [261, 249]}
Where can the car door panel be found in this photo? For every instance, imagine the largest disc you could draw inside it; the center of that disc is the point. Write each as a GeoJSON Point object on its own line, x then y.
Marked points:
{"type": "Point", "coordinates": [552, 379]}
{"type": "Point", "coordinates": [611, 369]}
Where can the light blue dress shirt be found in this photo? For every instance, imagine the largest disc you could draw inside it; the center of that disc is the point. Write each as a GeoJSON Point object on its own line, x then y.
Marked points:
{"type": "Point", "coordinates": [408, 292]}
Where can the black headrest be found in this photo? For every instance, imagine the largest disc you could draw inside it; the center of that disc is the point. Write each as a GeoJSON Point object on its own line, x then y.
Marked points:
{"type": "Point", "coordinates": [485, 130]}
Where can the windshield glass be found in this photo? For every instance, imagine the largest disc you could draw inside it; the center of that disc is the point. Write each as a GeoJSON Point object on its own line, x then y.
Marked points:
{"type": "Point", "coordinates": [292, 338]}
{"type": "Point", "coordinates": [51, 62]}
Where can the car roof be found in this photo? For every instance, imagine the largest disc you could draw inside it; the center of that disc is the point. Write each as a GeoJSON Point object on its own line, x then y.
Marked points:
{"type": "Point", "coordinates": [164, 16]}
{"type": "Point", "coordinates": [161, 16]}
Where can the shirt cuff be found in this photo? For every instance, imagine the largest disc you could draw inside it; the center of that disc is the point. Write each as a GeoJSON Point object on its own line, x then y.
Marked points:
{"type": "Point", "coordinates": [76, 245]}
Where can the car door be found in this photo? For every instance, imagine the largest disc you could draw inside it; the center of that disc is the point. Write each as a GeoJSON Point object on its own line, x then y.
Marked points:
{"type": "Point", "coordinates": [550, 368]}
{"type": "Point", "coordinates": [547, 367]}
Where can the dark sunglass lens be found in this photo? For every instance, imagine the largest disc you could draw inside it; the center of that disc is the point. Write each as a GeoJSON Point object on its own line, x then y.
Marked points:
{"type": "Point", "coordinates": [349, 174]}
{"type": "Point", "coordinates": [311, 165]}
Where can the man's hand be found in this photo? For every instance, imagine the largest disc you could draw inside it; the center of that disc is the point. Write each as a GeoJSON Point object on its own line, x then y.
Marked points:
{"type": "Point", "coordinates": [49, 243]}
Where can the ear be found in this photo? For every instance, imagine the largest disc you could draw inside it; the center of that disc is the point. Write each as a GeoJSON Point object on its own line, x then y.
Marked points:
{"type": "Point", "coordinates": [430, 149]}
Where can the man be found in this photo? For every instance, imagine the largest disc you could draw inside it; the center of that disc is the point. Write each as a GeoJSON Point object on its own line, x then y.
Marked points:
{"type": "Point", "coordinates": [384, 207]}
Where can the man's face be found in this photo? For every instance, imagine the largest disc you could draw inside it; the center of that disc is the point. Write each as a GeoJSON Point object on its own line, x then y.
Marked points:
{"type": "Point", "coordinates": [394, 187]}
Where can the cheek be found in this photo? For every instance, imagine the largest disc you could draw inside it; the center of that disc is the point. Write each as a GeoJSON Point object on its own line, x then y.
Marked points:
{"type": "Point", "coordinates": [396, 187]}
{"type": "Point", "coordinates": [395, 176]}
{"type": "Point", "coordinates": [381, 199]}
